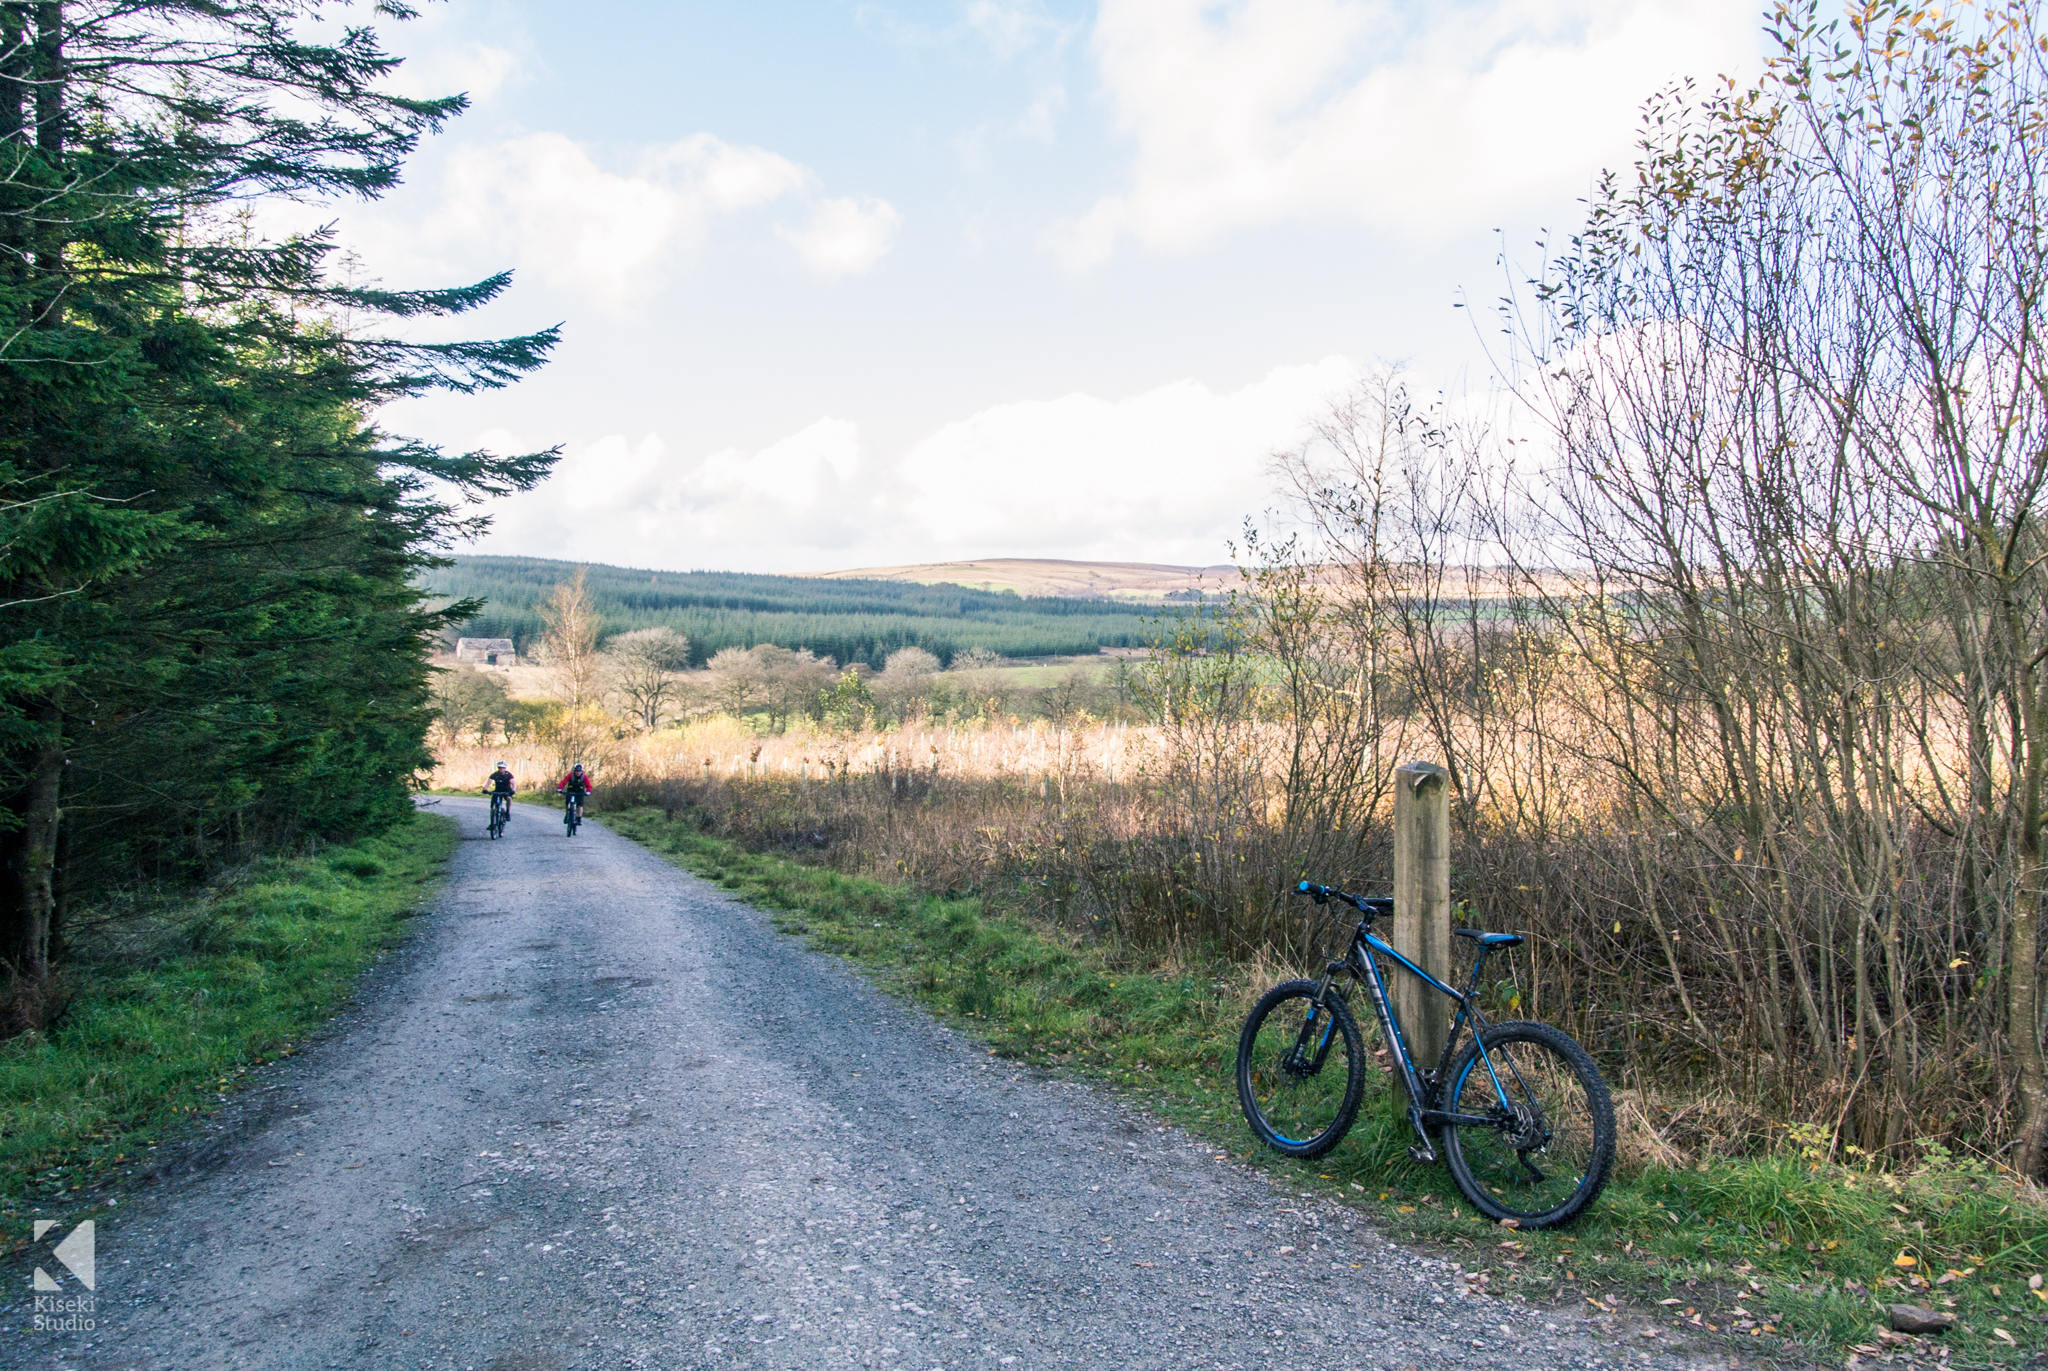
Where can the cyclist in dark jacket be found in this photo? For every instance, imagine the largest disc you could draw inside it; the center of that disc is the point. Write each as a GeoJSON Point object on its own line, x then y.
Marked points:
{"type": "Point", "coordinates": [498, 783]}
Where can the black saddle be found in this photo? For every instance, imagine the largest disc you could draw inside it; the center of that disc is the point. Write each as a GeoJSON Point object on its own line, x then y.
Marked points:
{"type": "Point", "coordinates": [1489, 939]}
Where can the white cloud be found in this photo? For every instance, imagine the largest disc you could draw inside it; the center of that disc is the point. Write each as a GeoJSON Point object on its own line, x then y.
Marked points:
{"type": "Point", "coordinates": [547, 206]}
{"type": "Point", "coordinates": [632, 503]}
{"type": "Point", "coordinates": [478, 70]}
{"type": "Point", "coordinates": [1420, 118]}
{"type": "Point", "coordinates": [845, 236]}
{"type": "Point", "coordinates": [1167, 475]}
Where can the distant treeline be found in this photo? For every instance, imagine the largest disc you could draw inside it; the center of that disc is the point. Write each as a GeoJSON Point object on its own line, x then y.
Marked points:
{"type": "Point", "coordinates": [848, 621]}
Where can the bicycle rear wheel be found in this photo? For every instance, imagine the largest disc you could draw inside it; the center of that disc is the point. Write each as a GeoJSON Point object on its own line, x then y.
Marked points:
{"type": "Point", "coordinates": [1545, 1157]}
{"type": "Point", "coordinates": [1300, 1069]}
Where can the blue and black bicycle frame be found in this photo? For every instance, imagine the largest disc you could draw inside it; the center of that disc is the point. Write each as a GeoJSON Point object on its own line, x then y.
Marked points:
{"type": "Point", "coordinates": [1361, 961]}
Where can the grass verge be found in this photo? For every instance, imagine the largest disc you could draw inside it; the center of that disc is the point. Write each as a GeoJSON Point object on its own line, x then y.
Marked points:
{"type": "Point", "coordinates": [173, 1004]}
{"type": "Point", "coordinates": [1786, 1255]}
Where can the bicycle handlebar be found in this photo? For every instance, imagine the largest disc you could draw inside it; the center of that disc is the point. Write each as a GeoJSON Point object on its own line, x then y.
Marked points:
{"type": "Point", "coordinates": [1364, 904]}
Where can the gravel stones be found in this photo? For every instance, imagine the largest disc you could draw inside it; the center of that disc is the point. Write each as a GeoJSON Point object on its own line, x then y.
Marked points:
{"type": "Point", "coordinates": [598, 1114]}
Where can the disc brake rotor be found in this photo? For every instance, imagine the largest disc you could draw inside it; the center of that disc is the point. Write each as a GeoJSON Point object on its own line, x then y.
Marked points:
{"type": "Point", "coordinates": [1527, 1132]}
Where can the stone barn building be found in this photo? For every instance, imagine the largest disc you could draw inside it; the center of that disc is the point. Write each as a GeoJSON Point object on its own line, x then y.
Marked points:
{"type": "Point", "coordinates": [485, 651]}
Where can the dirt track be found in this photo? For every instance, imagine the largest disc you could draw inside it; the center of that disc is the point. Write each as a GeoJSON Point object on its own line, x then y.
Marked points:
{"type": "Point", "coordinates": [598, 1114]}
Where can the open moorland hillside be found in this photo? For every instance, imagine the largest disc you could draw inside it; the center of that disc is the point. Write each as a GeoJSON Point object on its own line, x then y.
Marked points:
{"type": "Point", "coordinates": [1047, 576]}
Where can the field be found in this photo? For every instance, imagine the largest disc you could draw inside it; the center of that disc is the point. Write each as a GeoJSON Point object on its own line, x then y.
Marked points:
{"type": "Point", "coordinates": [1014, 679]}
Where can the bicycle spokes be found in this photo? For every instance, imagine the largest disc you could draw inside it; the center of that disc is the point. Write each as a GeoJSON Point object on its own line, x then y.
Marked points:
{"type": "Point", "coordinates": [1539, 1143]}
{"type": "Point", "coordinates": [1299, 1070]}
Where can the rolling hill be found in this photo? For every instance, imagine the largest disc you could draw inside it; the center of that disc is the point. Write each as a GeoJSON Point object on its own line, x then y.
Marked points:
{"type": "Point", "coordinates": [842, 616]}
{"type": "Point", "coordinates": [1042, 576]}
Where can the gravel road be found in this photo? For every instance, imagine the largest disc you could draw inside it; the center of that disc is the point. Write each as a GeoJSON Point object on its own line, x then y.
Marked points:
{"type": "Point", "coordinates": [598, 1114]}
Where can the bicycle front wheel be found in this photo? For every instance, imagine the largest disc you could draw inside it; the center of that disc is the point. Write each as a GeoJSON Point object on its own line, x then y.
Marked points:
{"type": "Point", "coordinates": [1300, 1069]}
{"type": "Point", "coordinates": [1548, 1150]}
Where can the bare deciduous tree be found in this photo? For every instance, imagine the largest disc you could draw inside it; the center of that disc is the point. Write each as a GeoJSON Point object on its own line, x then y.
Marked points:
{"type": "Point", "coordinates": [772, 680]}
{"type": "Point", "coordinates": [1800, 415]}
{"type": "Point", "coordinates": [568, 648]}
{"type": "Point", "coordinates": [469, 704]}
{"type": "Point", "coordinates": [645, 666]}
{"type": "Point", "coordinates": [976, 675]}
{"type": "Point", "coordinates": [905, 680]}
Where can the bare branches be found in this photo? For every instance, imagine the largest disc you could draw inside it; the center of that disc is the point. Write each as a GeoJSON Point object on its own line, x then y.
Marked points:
{"type": "Point", "coordinates": [1799, 427]}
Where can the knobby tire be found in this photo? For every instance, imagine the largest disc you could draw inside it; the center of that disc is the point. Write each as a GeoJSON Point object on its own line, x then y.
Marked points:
{"type": "Point", "coordinates": [1294, 1107]}
{"type": "Point", "coordinates": [1550, 1162]}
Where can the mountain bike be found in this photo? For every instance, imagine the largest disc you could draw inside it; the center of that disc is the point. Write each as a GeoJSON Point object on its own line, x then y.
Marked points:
{"type": "Point", "coordinates": [1525, 1119]}
{"type": "Point", "coordinates": [501, 812]}
{"type": "Point", "coordinates": [572, 814]}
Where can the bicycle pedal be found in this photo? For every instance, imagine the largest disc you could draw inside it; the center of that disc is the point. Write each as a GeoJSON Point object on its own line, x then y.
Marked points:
{"type": "Point", "coordinates": [1425, 1155]}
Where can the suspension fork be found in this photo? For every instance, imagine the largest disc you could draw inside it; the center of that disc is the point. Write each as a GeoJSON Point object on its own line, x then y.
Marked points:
{"type": "Point", "coordinates": [1319, 1026]}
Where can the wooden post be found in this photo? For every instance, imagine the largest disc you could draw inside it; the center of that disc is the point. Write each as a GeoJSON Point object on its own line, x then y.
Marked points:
{"type": "Point", "coordinates": [1422, 904]}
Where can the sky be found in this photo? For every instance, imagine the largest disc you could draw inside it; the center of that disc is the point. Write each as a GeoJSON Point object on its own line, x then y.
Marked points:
{"type": "Point", "coordinates": [851, 284]}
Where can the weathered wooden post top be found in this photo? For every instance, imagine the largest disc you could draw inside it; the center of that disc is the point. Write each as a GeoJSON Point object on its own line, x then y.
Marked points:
{"type": "Point", "coordinates": [1422, 904]}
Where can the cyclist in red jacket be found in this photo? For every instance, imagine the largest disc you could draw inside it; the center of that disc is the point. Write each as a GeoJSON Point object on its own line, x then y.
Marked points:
{"type": "Point", "coordinates": [575, 786]}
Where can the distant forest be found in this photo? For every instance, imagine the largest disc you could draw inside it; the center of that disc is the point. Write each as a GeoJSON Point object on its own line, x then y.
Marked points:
{"type": "Point", "coordinates": [848, 621]}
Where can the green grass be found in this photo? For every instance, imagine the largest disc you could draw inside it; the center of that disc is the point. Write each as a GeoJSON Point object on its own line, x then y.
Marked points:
{"type": "Point", "coordinates": [1809, 1249]}
{"type": "Point", "coordinates": [173, 1006]}
{"type": "Point", "coordinates": [1037, 675]}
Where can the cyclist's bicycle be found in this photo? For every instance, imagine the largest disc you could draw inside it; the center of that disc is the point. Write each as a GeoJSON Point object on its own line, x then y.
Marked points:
{"type": "Point", "coordinates": [572, 813]}
{"type": "Point", "coordinates": [501, 812]}
{"type": "Point", "coordinates": [1525, 1120]}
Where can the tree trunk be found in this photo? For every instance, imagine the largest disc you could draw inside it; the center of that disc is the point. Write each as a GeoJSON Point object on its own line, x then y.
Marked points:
{"type": "Point", "coordinates": [15, 102]}
{"type": "Point", "coordinates": [31, 896]}
{"type": "Point", "coordinates": [2023, 945]}
{"type": "Point", "coordinates": [28, 903]}
{"type": "Point", "coordinates": [2023, 1011]}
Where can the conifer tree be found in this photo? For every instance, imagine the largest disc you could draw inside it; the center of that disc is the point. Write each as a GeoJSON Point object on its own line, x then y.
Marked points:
{"type": "Point", "coordinates": [208, 636]}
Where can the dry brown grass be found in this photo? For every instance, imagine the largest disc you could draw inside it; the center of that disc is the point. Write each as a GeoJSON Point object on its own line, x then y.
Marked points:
{"type": "Point", "coordinates": [1172, 848]}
